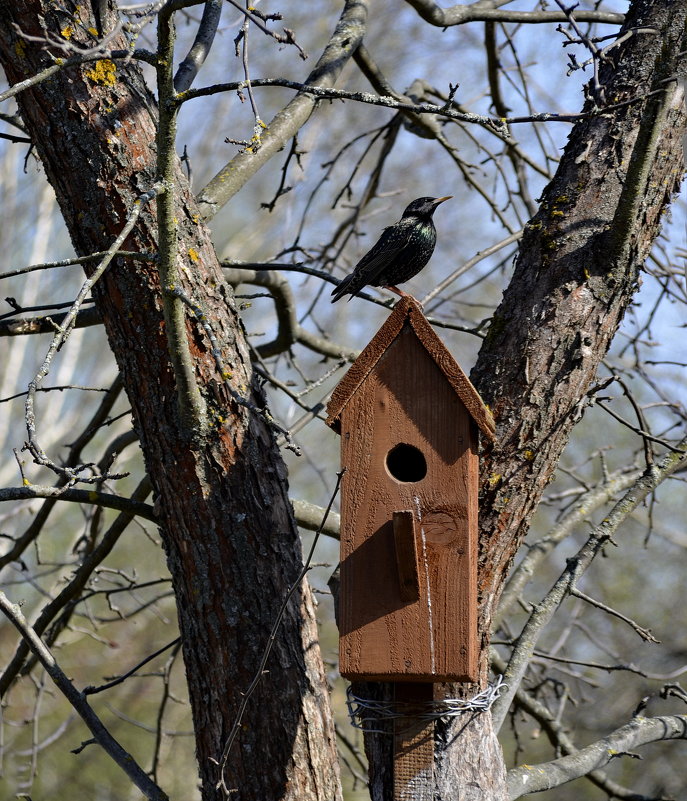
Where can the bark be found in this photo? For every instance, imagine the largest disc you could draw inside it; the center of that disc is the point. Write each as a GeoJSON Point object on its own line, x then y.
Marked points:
{"type": "Point", "coordinates": [469, 762]}
{"type": "Point", "coordinates": [577, 271]}
{"type": "Point", "coordinates": [231, 541]}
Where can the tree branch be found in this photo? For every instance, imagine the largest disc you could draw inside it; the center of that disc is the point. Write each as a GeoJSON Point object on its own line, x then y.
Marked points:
{"type": "Point", "coordinates": [205, 36]}
{"type": "Point", "coordinates": [78, 700]}
{"type": "Point", "coordinates": [310, 516]}
{"type": "Point", "coordinates": [484, 10]}
{"type": "Point", "coordinates": [538, 551]}
{"type": "Point", "coordinates": [576, 566]}
{"type": "Point", "coordinates": [639, 731]}
{"type": "Point", "coordinates": [73, 495]}
{"type": "Point", "coordinates": [192, 407]}
{"type": "Point", "coordinates": [289, 329]}
{"type": "Point", "coordinates": [343, 43]}
{"type": "Point", "coordinates": [559, 736]}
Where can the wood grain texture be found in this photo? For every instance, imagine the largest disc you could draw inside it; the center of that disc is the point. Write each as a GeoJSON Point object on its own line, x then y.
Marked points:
{"type": "Point", "coordinates": [407, 399]}
{"type": "Point", "coordinates": [405, 543]}
{"type": "Point", "coordinates": [409, 312]}
{"type": "Point", "coordinates": [413, 744]}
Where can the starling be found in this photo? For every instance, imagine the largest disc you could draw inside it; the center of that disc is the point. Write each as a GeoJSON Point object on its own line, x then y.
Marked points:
{"type": "Point", "coordinates": [402, 251]}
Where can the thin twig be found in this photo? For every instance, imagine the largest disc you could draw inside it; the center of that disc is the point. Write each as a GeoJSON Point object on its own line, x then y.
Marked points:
{"type": "Point", "coordinates": [645, 434]}
{"type": "Point", "coordinates": [469, 264]}
{"type": "Point", "coordinates": [78, 700]}
{"type": "Point", "coordinates": [329, 93]}
{"type": "Point", "coordinates": [645, 634]}
{"type": "Point", "coordinates": [91, 690]}
{"type": "Point", "coordinates": [61, 336]}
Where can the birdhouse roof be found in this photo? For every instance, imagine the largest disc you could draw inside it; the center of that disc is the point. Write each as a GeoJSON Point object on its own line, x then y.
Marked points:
{"type": "Point", "coordinates": [409, 312]}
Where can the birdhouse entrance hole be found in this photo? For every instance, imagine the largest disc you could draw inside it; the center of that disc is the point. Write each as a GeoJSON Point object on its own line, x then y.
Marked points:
{"type": "Point", "coordinates": [406, 463]}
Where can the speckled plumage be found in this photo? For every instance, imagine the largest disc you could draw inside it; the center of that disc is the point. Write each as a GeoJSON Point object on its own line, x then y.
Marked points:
{"type": "Point", "coordinates": [402, 251]}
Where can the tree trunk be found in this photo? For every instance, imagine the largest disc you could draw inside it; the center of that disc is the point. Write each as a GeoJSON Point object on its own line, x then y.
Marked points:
{"type": "Point", "coordinates": [577, 271]}
{"type": "Point", "coordinates": [231, 541]}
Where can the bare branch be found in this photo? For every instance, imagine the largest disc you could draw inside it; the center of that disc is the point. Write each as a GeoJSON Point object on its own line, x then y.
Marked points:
{"type": "Point", "coordinates": [22, 326]}
{"type": "Point", "coordinates": [51, 265]}
{"type": "Point", "coordinates": [290, 331]}
{"type": "Point", "coordinates": [73, 495]}
{"type": "Point", "coordinates": [645, 634]}
{"type": "Point", "coordinates": [205, 36]}
{"type": "Point", "coordinates": [78, 701]}
{"type": "Point", "coordinates": [192, 406]}
{"type": "Point", "coordinates": [309, 516]}
{"type": "Point", "coordinates": [576, 566]}
{"type": "Point", "coordinates": [286, 123]}
{"type": "Point", "coordinates": [640, 731]}
{"type": "Point", "coordinates": [102, 687]}
{"type": "Point", "coordinates": [484, 10]}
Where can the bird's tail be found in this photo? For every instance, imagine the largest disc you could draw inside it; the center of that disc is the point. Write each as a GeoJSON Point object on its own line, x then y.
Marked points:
{"type": "Point", "coordinates": [342, 289]}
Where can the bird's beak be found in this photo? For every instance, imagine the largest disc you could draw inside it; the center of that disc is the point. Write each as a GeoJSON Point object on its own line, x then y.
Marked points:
{"type": "Point", "coordinates": [441, 200]}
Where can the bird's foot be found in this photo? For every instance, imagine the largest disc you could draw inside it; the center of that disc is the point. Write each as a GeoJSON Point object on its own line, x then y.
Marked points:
{"type": "Point", "coordinates": [402, 294]}
{"type": "Point", "coordinates": [397, 291]}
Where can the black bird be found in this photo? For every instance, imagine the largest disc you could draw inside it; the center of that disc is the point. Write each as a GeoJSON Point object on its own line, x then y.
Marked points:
{"type": "Point", "coordinates": [402, 251]}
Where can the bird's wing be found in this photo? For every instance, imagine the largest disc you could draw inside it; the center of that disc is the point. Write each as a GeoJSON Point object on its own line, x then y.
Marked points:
{"type": "Point", "coordinates": [390, 245]}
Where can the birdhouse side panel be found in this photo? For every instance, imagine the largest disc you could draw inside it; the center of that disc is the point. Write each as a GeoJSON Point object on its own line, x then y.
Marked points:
{"type": "Point", "coordinates": [372, 617]}
{"type": "Point", "coordinates": [408, 443]}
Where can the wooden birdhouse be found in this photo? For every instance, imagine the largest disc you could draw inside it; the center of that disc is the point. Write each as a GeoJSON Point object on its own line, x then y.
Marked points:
{"type": "Point", "coordinates": [409, 420]}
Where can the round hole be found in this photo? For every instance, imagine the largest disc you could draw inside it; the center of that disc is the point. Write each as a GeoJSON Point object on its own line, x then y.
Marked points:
{"type": "Point", "coordinates": [406, 463]}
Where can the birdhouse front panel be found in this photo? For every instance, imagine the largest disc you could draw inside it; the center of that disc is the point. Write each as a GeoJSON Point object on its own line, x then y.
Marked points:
{"type": "Point", "coordinates": [408, 595]}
